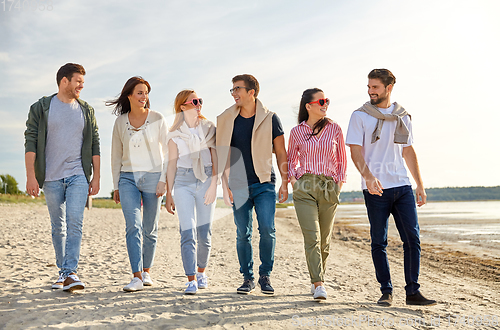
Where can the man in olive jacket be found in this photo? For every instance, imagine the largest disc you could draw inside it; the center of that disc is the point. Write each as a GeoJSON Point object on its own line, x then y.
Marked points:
{"type": "Point", "coordinates": [61, 151]}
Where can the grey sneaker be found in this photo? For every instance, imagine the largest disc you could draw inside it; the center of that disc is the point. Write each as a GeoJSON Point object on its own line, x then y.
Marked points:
{"type": "Point", "coordinates": [202, 280]}
{"type": "Point", "coordinates": [192, 287]}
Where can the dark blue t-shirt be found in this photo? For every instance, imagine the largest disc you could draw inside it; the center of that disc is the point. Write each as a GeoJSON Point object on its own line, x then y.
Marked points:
{"type": "Point", "coordinates": [241, 151]}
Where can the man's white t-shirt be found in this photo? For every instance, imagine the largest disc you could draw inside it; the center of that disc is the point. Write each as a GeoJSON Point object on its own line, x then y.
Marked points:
{"type": "Point", "coordinates": [384, 157]}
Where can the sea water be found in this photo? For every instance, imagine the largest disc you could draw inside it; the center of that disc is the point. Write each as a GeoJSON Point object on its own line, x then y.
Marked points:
{"type": "Point", "coordinates": [465, 222]}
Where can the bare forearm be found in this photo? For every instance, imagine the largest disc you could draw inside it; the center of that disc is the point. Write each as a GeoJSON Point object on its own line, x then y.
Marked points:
{"type": "Point", "coordinates": [29, 161]}
{"type": "Point", "coordinates": [411, 161]}
{"type": "Point", "coordinates": [359, 162]}
{"type": "Point", "coordinates": [96, 165]}
{"type": "Point", "coordinates": [282, 166]}
{"type": "Point", "coordinates": [171, 169]}
{"type": "Point", "coordinates": [281, 158]}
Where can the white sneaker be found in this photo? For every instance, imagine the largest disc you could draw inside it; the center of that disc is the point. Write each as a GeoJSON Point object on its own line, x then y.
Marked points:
{"type": "Point", "coordinates": [313, 288]}
{"type": "Point", "coordinates": [192, 287]}
{"type": "Point", "coordinates": [134, 285]}
{"type": "Point", "coordinates": [320, 293]}
{"type": "Point", "coordinates": [59, 283]}
{"type": "Point", "coordinates": [146, 279]}
{"type": "Point", "coordinates": [202, 280]}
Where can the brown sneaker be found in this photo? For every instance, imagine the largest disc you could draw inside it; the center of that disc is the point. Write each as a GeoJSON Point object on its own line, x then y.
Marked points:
{"type": "Point", "coordinates": [59, 283]}
{"type": "Point", "coordinates": [72, 282]}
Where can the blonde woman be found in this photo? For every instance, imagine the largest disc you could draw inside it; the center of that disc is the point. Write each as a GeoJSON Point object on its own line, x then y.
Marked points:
{"type": "Point", "coordinates": [138, 152]}
{"type": "Point", "coordinates": [191, 174]}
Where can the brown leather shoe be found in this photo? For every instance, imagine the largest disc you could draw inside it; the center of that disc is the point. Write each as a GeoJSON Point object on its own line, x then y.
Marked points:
{"type": "Point", "coordinates": [385, 300]}
{"type": "Point", "coordinates": [419, 300]}
{"type": "Point", "coordinates": [72, 282]}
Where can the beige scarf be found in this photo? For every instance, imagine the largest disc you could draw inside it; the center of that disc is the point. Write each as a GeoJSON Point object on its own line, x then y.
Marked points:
{"type": "Point", "coordinates": [206, 130]}
{"type": "Point", "coordinates": [401, 135]}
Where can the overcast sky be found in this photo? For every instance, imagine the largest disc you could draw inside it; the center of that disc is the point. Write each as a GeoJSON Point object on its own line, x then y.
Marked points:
{"type": "Point", "coordinates": [444, 54]}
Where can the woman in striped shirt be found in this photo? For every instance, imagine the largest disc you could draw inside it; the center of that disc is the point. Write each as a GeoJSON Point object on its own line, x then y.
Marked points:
{"type": "Point", "coordinates": [317, 165]}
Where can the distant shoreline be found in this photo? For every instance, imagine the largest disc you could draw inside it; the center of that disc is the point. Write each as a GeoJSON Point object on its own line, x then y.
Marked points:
{"type": "Point", "coordinates": [447, 194]}
{"type": "Point", "coordinates": [454, 201]}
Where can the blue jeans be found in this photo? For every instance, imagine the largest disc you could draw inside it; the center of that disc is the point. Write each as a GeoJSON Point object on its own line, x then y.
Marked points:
{"type": "Point", "coordinates": [66, 200]}
{"type": "Point", "coordinates": [195, 218]}
{"type": "Point", "coordinates": [262, 196]}
{"type": "Point", "coordinates": [133, 186]}
{"type": "Point", "coordinates": [400, 202]}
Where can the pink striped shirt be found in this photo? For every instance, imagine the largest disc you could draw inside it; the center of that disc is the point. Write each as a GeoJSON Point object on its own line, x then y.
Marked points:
{"type": "Point", "coordinates": [324, 155]}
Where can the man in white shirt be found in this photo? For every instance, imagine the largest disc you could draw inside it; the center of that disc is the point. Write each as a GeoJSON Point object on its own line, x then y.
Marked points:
{"type": "Point", "coordinates": [380, 138]}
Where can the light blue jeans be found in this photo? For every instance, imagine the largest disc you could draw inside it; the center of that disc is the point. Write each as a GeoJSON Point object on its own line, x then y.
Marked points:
{"type": "Point", "coordinates": [195, 218]}
{"type": "Point", "coordinates": [66, 200]}
{"type": "Point", "coordinates": [134, 186]}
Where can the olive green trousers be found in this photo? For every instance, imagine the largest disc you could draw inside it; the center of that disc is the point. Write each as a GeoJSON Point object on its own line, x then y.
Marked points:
{"type": "Point", "coordinates": [316, 198]}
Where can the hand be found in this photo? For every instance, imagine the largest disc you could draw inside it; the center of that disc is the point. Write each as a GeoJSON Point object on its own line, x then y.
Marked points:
{"type": "Point", "coordinates": [228, 197]}
{"type": "Point", "coordinates": [374, 187]}
{"type": "Point", "coordinates": [169, 204]}
{"type": "Point", "coordinates": [32, 187]}
{"type": "Point", "coordinates": [211, 193]}
{"type": "Point", "coordinates": [116, 196]}
{"type": "Point", "coordinates": [340, 184]}
{"type": "Point", "coordinates": [94, 186]}
{"type": "Point", "coordinates": [161, 188]}
{"type": "Point", "coordinates": [292, 181]}
{"type": "Point", "coordinates": [421, 196]}
{"type": "Point", "coordinates": [283, 192]}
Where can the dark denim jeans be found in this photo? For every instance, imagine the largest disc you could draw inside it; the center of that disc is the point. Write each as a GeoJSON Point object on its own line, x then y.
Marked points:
{"type": "Point", "coordinates": [400, 202]}
{"type": "Point", "coordinates": [262, 196]}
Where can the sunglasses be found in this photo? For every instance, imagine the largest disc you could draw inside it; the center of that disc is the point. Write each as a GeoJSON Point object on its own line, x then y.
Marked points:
{"type": "Point", "coordinates": [195, 102]}
{"type": "Point", "coordinates": [321, 102]}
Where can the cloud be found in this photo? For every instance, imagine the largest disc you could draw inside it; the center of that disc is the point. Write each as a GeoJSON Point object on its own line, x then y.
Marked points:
{"type": "Point", "coordinates": [4, 57]}
{"type": "Point", "coordinates": [288, 46]}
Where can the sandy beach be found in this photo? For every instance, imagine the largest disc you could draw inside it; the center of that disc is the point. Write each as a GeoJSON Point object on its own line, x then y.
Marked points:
{"type": "Point", "coordinates": [467, 285]}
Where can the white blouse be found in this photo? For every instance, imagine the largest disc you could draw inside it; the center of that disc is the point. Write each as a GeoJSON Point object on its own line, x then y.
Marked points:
{"type": "Point", "coordinates": [184, 159]}
{"type": "Point", "coordinates": [139, 149]}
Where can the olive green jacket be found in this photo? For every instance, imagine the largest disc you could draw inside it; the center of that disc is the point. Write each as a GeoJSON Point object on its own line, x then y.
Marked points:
{"type": "Point", "coordinates": [36, 136]}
